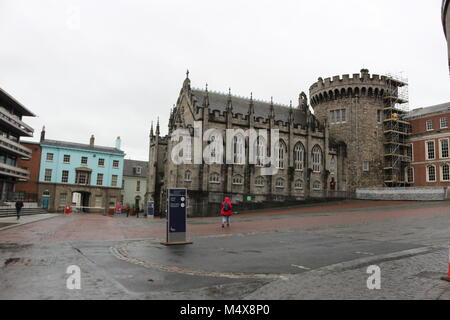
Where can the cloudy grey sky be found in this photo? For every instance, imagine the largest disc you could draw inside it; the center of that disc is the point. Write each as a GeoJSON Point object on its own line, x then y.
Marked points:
{"type": "Point", "coordinates": [109, 68]}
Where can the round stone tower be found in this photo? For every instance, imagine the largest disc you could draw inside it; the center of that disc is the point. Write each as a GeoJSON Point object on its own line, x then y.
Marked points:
{"type": "Point", "coordinates": [353, 108]}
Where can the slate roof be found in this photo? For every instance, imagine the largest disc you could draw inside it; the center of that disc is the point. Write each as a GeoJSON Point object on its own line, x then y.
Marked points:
{"type": "Point", "coordinates": [65, 144]}
{"type": "Point", "coordinates": [429, 110]}
{"type": "Point", "coordinates": [128, 166]}
{"type": "Point", "coordinates": [218, 101]}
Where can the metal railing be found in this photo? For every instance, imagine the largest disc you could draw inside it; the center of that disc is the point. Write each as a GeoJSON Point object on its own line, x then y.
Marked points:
{"type": "Point", "coordinates": [14, 147]}
{"type": "Point", "coordinates": [15, 172]}
{"type": "Point", "coordinates": [14, 121]}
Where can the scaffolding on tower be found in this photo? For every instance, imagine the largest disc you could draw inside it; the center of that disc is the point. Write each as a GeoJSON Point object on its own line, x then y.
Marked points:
{"type": "Point", "coordinates": [397, 150]}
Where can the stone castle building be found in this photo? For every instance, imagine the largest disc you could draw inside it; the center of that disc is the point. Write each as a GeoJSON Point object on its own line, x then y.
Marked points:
{"type": "Point", "coordinates": [326, 153]}
{"type": "Point", "coordinates": [357, 110]}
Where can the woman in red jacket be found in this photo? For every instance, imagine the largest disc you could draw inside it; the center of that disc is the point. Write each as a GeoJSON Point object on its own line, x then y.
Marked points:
{"type": "Point", "coordinates": [226, 212]}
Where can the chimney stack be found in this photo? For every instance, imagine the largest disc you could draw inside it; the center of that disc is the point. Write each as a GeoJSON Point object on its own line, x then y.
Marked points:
{"type": "Point", "coordinates": [118, 143]}
{"type": "Point", "coordinates": [91, 141]}
{"type": "Point", "coordinates": [43, 134]}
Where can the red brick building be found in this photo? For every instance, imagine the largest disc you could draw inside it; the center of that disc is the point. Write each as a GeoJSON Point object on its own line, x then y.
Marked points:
{"type": "Point", "coordinates": [32, 165]}
{"type": "Point", "coordinates": [430, 140]}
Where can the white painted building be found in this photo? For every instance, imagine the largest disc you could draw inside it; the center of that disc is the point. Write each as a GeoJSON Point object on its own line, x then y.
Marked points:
{"type": "Point", "coordinates": [134, 183]}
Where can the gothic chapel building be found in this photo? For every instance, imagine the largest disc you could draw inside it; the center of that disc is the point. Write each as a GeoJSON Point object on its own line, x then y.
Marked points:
{"type": "Point", "coordinates": [310, 164]}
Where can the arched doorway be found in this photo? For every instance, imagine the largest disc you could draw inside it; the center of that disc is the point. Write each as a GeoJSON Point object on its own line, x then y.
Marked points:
{"type": "Point", "coordinates": [137, 203]}
{"type": "Point", "coordinates": [45, 199]}
{"type": "Point", "coordinates": [81, 200]}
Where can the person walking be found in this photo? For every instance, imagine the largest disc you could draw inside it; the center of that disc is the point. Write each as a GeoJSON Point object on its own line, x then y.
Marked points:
{"type": "Point", "coordinates": [226, 211]}
{"type": "Point", "coordinates": [119, 208]}
{"type": "Point", "coordinates": [19, 206]}
{"type": "Point", "coordinates": [127, 209]}
{"type": "Point", "coordinates": [137, 210]}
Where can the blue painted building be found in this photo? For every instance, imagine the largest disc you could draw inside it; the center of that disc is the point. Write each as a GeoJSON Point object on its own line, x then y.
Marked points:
{"type": "Point", "coordinates": [86, 175]}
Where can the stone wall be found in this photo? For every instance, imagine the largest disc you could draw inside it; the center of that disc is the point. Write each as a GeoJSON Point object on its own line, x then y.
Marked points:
{"type": "Point", "coordinates": [408, 194]}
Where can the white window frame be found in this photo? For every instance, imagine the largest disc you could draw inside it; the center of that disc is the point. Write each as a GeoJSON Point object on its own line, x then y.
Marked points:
{"type": "Point", "coordinates": [87, 160]}
{"type": "Point", "coordinates": [442, 172]}
{"type": "Point", "coordinates": [212, 177]}
{"type": "Point", "coordinates": [262, 183]}
{"type": "Point", "coordinates": [238, 180]}
{"type": "Point", "coordinates": [343, 115]}
{"type": "Point", "coordinates": [366, 166]}
{"type": "Point", "coordinates": [49, 157]}
{"type": "Point", "coordinates": [239, 150]}
{"type": "Point", "coordinates": [430, 125]}
{"type": "Point", "coordinates": [64, 158]}
{"type": "Point", "coordinates": [314, 185]}
{"type": "Point", "coordinates": [62, 176]}
{"type": "Point", "coordinates": [427, 151]}
{"type": "Point", "coordinates": [114, 164]}
{"type": "Point", "coordinates": [317, 159]}
{"type": "Point", "coordinates": [428, 173]}
{"type": "Point", "coordinates": [441, 156]}
{"type": "Point", "coordinates": [114, 182]}
{"type": "Point", "coordinates": [138, 186]}
{"type": "Point", "coordinates": [48, 173]}
{"type": "Point", "coordinates": [103, 162]}
{"type": "Point", "coordinates": [299, 157]}
{"type": "Point", "coordinates": [280, 183]}
{"type": "Point", "coordinates": [445, 126]}
{"type": "Point", "coordinates": [412, 151]}
{"type": "Point", "coordinates": [280, 150]}
{"type": "Point", "coordinates": [332, 117]}
{"type": "Point", "coordinates": [187, 176]}
{"type": "Point", "coordinates": [102, 177]}
{"type": "Point", "coordinates": [296, 186]}
{"type": "Point", "coordinates": [379, 116]}
{"type": "Point", "coordinates": [407, 174]}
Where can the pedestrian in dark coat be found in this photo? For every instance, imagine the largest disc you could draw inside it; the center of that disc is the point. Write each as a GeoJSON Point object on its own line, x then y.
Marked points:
{"type": "Point", "coordinates": [19, 206]}
{"type": "Point", "coordinates": [226, 211]}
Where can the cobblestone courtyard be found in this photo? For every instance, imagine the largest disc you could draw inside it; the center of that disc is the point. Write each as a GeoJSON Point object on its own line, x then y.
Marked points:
{"type": "Point", "coordinates": [313, 252]}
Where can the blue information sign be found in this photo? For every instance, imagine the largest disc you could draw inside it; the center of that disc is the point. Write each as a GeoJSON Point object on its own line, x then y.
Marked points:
{"type": "Point", "coordinates": [150, 209]}
{"type": "Point", "coordinates": [177, 215]}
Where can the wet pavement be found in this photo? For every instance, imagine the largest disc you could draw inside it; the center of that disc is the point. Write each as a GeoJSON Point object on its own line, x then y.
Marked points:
{"type": "Point", "coordinates": [317, 252]}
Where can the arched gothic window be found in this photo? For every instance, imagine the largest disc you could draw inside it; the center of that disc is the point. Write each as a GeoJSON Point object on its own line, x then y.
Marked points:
{"type": "Point", "coordinates": [259, 181]}
{"type": "Point", "coordinates": [317, 185]}
{"type": "Point", "coordinates": [279, 183]}
{"type": "Point", "coordinates": [187, 176]}
{"type": "Point", "coordinates": [299, 184]}
{"type": "Point", "coordinates": [280, 151]}
{"type": "Point", "coordinates": [238, 180]}
{"type": "Point", "coordinates": [214, 178]}
{"type": "Point", "coordinates": [299, 156]}
{"type": "Point", "coordinates": [239, 150]}
{"type": "Point", "coordinates": [317, 159]}
{"type": "Point", "coordinates": [260, 151]}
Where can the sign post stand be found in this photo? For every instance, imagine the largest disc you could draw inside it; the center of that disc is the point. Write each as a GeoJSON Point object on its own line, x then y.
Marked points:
{"type": "Point", "coordinates": [176, 217]}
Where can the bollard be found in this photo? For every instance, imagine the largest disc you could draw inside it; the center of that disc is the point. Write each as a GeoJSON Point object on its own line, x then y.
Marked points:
{"type": "Point", "coordinates": [448, 274]}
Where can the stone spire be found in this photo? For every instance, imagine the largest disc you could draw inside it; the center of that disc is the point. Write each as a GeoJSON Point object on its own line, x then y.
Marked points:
{"type": "Point", "coordinates": [303, 102]}
{"type": "Point", "coordinates": [151, 130]}
{"type": "Point", "coordinates": [206, 98]}
{"type": "Point", "coordinates": [157, 127]}
{"type": "Point", "coordinates": [251, 107]}
{"type": "Point", "coordinates": [229, 102]}
{"type": "Point", "coordinates": [187, 82]}
{"type": "Point", "coordinates": [291, 112]}
{"type": "Point", "coordinates": [272, 109]}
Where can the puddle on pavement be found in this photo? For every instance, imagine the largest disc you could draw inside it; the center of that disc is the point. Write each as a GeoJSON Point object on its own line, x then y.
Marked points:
{"type": "Point", "coordinates": [17, 261]}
